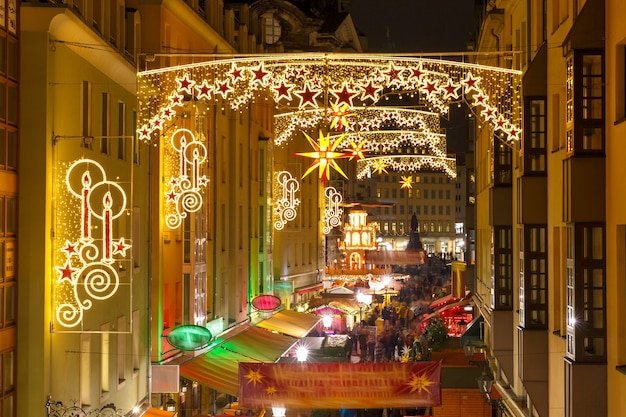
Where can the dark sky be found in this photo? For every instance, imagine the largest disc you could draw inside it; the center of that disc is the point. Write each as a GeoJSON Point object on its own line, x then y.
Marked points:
{"type": "Point", "coordinates": [415, 25]}
{"type": "Point", "coordinates": [420, 26]}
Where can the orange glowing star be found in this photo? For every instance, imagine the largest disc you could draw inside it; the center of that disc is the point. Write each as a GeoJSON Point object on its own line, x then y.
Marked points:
{"type": "Point", "coordinates": [339, 116]}
{"type": "Point", "coordinates": [420, 383]}
{"type": "Point", "coordinates": [379, 167]}
{"type": "Point", "coordinates": [254, 376]}
{"type": "Point", "coordinates": [356, 150]}
{"type": "Point", "coordinates": [407, 182]}
{"type": "Point", "coordinates": [324, 156]}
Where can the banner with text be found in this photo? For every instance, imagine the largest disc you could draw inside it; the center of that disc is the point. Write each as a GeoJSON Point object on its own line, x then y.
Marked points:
{"type": "Point", "coordinates": [340, 385]}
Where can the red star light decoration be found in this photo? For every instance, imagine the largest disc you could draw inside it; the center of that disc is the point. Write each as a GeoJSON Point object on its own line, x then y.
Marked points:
{"type": "Point", "coordinates": [66, 272]}
{"type": "Point", "coordinates": [324, 156]}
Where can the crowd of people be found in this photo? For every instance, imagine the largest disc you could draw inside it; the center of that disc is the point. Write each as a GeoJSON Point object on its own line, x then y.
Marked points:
{"type": "Point", "coordinates": [394, 327]}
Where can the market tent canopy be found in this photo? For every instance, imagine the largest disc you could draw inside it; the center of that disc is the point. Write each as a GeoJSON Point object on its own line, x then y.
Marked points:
{"type": "Point", "coordinates": [218, 368]}
{"type": "Point", "coordinates": [291, 323]}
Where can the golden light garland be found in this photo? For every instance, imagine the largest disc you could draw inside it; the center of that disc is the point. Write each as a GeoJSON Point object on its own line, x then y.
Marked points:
{"type": "Point", "coordinates": [405, 164]}
{"type": "Point", "coordinates": [362, 119]}
{"type": "Point", "coordinates": [308, 80]}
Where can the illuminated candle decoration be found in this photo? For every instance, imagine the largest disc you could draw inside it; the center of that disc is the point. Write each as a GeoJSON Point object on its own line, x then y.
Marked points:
{"type": "Point", "coordinates": [332, 209]}
{"type": "Point", "coordinates": [185, 184]}
{"type": "Point", "coordinates": [324, 156]}
{"type": "Point", "coordinates": [302, 81]}
{"type": "Point", "coordinates": [285, 201]}
{"type": "Point", "coordinates": [85, 206]}
{"type": "Point", "coordinates": [85, 271]}
{"type": "Point", "coordinates": [106, 225]}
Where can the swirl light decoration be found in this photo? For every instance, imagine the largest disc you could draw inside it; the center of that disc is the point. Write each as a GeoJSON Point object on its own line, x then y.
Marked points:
{"type": "Point", "coordinates": [302, 81]}
{"type": "Point", "coordinates": [88, 261]}
{"type": "Point", "coordinates": [332, 209]}
{"type": "Point", "coordinates": [285, 200]}
{"type": "Point", "coordinates": [186, 178]}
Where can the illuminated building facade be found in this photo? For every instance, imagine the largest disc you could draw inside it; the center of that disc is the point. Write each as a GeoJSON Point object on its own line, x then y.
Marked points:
{"type": "Point", "coordinates": [9, 195]}
{"type": "Point", "coordinates": [431, 198]}
{"type": "Point", "coordinates": [83, 220]}
{"type": "Point", "coordinates": [549, 228]}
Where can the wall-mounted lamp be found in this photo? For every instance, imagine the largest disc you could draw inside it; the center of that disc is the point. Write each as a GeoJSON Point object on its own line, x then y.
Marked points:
{"type": "Point", "coordinates": [170, 405]}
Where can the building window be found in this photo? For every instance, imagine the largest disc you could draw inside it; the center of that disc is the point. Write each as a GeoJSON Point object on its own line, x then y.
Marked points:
{"type": "Point", "coordinates": [121, 131]}
{"type": "Point", "coordinates": [85, 119]}
{"type": "Point", "coordinates": [502, 264]}
{"type": "Point", "coordinates": [502, 163]}
{"type": "Point", "coordinates": [586, 297]}
{"type": "Point", "coordinates": [533, 278]}
{"type": "Point", "coordinates": [535, 138]}
{"type": "Point", "coordinates": [105, 124]}
{"type": "Point", "coordinates": [271, 28]}
{"type": "Point", "coordinates": [585, 103]}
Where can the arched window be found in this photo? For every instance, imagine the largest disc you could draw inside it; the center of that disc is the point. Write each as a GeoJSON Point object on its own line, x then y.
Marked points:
{"type": "Point", "coordinates": [271, 28]}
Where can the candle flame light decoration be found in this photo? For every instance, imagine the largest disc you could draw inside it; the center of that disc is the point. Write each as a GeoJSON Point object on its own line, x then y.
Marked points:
{"type": "Point", "coordinates": [186, 182]}
{"type": "Point", "coordinates": [89, 255]}
{"type": "Point", "coordinates": [342, 93]}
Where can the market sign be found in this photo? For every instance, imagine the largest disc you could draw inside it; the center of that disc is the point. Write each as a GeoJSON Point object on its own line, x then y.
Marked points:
{"type": "Point", "coordinates": [266, 302]}
{"type": "Point", "coordinates": [189, 337]}
{"type": "Point", "coordinates": [340, 385]}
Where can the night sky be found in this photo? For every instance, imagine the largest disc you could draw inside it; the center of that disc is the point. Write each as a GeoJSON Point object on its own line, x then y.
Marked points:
{"type": "Point", "coordinates": [414, 25]}
{"type": "Point", "coordinates": [419, 26]}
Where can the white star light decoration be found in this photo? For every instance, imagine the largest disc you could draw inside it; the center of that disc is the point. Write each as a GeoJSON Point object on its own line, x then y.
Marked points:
{"type": "Point", "coordinates": [405, 164]}
{"type": "Point", "coordinates": [90, 252]}
{"type": "Point", "coordinates": [302, 82]}
{"type": "Point", "coordinates": [186, 179]}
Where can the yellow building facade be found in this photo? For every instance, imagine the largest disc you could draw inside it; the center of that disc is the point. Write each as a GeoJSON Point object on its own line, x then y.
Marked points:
{"type": "Point", "coordinates": [83, 222]}
{"type": "Point", "coordinates": [548, 229]}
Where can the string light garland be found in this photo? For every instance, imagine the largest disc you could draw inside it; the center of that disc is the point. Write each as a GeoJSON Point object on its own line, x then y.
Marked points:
{"type": "Point", "coordinates": [405, 164]}
{"type": "Point", "coordinates": [88, 252]}
{"type": "Point", "coordinates": [362, 119]}
{"type": "Point", "coordinates": [301, 81]}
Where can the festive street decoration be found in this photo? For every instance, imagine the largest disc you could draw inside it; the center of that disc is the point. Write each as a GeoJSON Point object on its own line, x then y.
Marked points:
{"type": "Point", "coordinates": [406, 182]}
{"type": "Point", "coordinates": [302, 81]}
{"type": "Point", "coordinates": [285, 199]}
{"type": "Point", "coordinates": [186, 180]}
{"type": "Point", "coordinates": [324, 155]}
{"type": "Point", "coordinates": [332, 209]}
{"type": "Point", "coordinates": [88, 262]}
{"type": "Point", "coordinates": [405, 164]}
{"type": "Point", "coordinates": [339, 385]}
{"type": "Point", "coordinates": [359, 120]}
